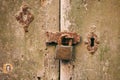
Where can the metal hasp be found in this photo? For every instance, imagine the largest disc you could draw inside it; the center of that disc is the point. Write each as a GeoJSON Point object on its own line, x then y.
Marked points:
{"type": "Point", "coordinates": [24, 16]}
{"type": "Point", "coordinates": [64, 41]}
{"type": "Point", "coordinates": [53, 37]}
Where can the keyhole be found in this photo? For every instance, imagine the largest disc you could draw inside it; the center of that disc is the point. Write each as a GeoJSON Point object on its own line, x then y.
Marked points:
{"type": "Point", "coordinates": [92, 42]}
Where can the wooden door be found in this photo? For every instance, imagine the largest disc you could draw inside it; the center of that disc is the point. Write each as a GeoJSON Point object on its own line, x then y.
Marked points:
{"type": "Point", "coordinates": [32, 59]}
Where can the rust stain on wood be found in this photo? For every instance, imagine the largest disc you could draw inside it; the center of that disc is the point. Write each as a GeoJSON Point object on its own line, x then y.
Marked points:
{"type": "Point", "coordinates": [24, 16]}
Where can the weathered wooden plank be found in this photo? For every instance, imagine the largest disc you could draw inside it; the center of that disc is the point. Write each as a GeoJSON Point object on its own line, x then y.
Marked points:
{"type": "Point", "coordinates": [27, 52]}
{"type": "Point", "coordinates": [51, 24]}
{"type": "Point", "coordinates": [66, 68]}
{"type": "Point", "coordinates": [104, 15]}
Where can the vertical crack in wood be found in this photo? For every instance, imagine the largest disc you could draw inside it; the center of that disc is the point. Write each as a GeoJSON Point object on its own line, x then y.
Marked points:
{"type": "Point", "coordinates": [59, 70]}
{"type": "Point", "coordinates": [59, 15]}
{"type": "Point", "coordinates": [59, 30]}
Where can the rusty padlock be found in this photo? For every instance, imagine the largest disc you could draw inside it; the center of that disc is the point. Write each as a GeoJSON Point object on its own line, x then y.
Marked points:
{"type": "Point", "coordinates": [64, 52]}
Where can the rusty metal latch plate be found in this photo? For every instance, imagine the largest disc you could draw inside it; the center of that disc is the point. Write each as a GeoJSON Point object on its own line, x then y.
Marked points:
{"type": "Point", "coordinates": [53, 37]}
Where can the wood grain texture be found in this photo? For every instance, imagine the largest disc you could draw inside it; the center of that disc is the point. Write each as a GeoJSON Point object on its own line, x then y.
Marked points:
{"type": "Point", "coordinates": [104, 15]}
{"type": "Point", "coordinates": [52, 25]}
{"type": "Point", "coordinates": [27, 52]}
{"type": "Point", "coordinates": [66, 68]}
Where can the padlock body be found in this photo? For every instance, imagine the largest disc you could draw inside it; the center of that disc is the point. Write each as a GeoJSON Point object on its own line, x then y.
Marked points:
{"type": "Point", "coordinates": [64, 52]}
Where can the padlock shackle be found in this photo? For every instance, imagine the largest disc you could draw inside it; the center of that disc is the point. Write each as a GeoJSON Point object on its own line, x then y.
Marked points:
{"type": "Point", "coordinates": [65, 35]}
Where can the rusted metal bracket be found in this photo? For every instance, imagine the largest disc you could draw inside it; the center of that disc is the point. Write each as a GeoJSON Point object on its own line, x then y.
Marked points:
{"type": "Point", "coordinates": [24, 16]}
{"type": "Point", "coordinates": [55, 37]}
